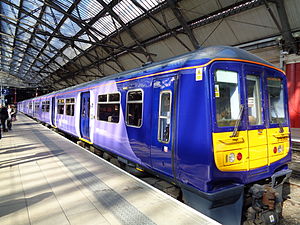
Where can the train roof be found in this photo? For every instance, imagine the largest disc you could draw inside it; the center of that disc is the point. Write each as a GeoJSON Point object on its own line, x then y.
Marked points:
{"type": "Point", "coordinates": [206, 54]}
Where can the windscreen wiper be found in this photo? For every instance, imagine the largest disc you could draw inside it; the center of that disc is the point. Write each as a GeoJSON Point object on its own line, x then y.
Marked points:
{"type": "Point", "coordinates": [237, 122]}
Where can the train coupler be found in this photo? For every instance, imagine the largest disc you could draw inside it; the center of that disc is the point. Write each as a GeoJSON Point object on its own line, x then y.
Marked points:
{"type": "Point", "coordinates": [266, 206]}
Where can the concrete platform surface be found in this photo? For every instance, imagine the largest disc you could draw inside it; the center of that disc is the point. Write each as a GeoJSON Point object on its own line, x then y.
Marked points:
{"type": "Point", "coordinates": [46, 179]}
{"type": "Point", "coordinates": [295, 134]}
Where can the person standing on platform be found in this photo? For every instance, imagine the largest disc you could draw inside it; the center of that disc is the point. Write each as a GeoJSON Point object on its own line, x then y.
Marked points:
{"type": "Point", "coordinates": [11, 113]}
{"type": "Point", "coordinates": [3, 117]}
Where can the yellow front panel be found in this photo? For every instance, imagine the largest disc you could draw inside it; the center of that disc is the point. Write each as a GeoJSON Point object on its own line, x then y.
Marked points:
{"type": "Point", "coordinates": [223, 141]}
{"type": "Point", "coordinates": [258, 148]}
{"type": "Point", "coordinates": [224, 145]}
{"type": "Point", "coordinates": [276, 139]}
{"type": "Point", "coordinates": [257, 137]}
{"type": "Point", "coordinates": [274, 135]}
{"type": "Point", "coordinates": [258, 156]}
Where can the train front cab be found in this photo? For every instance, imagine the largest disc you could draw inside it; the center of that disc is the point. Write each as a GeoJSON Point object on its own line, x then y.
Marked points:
{"type": "Point", "coordinates": [251, 141]}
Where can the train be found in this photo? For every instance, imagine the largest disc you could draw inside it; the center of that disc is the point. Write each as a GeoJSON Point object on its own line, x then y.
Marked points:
{"type": "Point", "coordinates": [213, 122]}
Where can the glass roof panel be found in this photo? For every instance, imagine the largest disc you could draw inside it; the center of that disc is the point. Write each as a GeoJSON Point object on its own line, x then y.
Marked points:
{"type": "Point", "coordinates": [44, 28]}
{"type": "Point", "coordinates": [53, 66]}
{"type": "Point", "coordinates": [96, 34]}
{"type": "Point", "coordinates": [106, 25]}
{"type": "Point", "coordinates": [83, 45]}
{"type": "Point", "coordinates": [33, 6]}
{"type": "Point", "coordinates": [52, 17]}
{"type": "Point", "coordinates": [50, 51]}
{"type": "Point", "coordinates": [23, 35]}
{"type": "Point", "coordinates": [9, 11]}
{"type": "Point", "coordinates": [70, 52]}
{"type": "Point", "coordinates": [149, 4]}
{"type": "Point", "coordinates": [39, 64]}
{"type": "Point", "coordinates": [65, 4]}
{"type": "Point", "coordinates": [87, 9]}
{"type": "Point", "coordinates": [57, 43]}
{"type": "Point", "coordinates": [61, 61]}
{"type": "Point", "coordinates": [25, 29]}
{"type": "Point", "coordinates": [9, 30]}
{"type": "Point", "coordinates": [127, 11]}
{"type": "Point", "coordinates": [38, 43]}
{"type": "Point", "coordinates": [69, 28]}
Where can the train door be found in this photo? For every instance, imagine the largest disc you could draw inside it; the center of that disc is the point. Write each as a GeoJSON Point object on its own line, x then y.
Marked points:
{"type": "Point", "coordinates": [85, 116]}
{"type": "Point", "coordinates": [257, 132]}
{"type": "Point", "coordinates": [53, 111]}
{"type": "Point", "coordinates": [163, 109]}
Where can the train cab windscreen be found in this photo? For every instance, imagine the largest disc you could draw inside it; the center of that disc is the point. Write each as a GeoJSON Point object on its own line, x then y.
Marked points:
{"type": "Point", "coordinates": [276, 100]}
{"type": "Point", "coordinates": [227, 97]}
{"type": "Point", "coordinates": [254, 100]}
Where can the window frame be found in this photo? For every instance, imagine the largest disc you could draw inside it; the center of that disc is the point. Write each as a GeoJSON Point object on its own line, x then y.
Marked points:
{"type": "Point", "coordinates": [229, 66]}
{"type": "Point", "coordinates": [166, 117]}
{"type": "Point", "coordinates": [71, 103]}
{"type": "Point", "coordinates": [36, 107]}
{"type": "Point", "coordinates": [260, 76]}
{"type": "Point", "coordinates": [275, 75]}
{"type": "Point", "coordinates": [139, 101]}
{"type": "Point", "coordinates": [109, 103]}
{"type": "Point", "coordinates": [44, 106]}
{"type": "Point", "coordinates": [58, 103]}
{"type": "Point", "coordinates": [239, 89]}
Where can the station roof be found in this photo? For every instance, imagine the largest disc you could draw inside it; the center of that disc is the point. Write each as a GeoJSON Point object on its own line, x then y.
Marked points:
{"type": "Point", "coordinates": [60, 43]}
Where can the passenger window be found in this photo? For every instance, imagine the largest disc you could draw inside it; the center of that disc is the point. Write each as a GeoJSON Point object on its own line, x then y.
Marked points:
{"type": "Point", "coordinates": [134, 108]}
{"type": "Point", "coordinates": [254, 100]}
{"type": "Point", "coordinates": [70, 106]}
{"type": "Point", "coordinates": [60, 106]}
{"type": "Point", "coordinates": [109, 108]}
{"type": "Point", "coordinates": [36, 106]}
{"type": "Point", "coordinates": [46, 106]}
{"type": "Point", "coordinates": [164, 120]}
{"type": "Point", "coordinates": [276, 100]}
{"type": "Point", "coordinates": [227, 97]}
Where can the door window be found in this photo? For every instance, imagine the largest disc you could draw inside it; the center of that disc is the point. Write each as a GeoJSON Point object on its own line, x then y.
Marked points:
{"type": "Point", "coordinates": [254, 100]}
{"type": "Point", "coordinates": [227, 97]}
{"type": "Point", "coordinates": [164, 120]}
{"type": "Point", "coordinates": [134, 108]}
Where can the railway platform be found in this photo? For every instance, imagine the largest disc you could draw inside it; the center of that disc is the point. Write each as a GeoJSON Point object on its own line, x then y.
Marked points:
{"type": "Point", "coordinates": [47, 179]}
{"type": "Point", "coordinates": [295, 135]}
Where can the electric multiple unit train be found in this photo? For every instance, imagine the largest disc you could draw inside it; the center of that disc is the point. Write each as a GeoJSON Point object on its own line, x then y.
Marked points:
{"type": "Point", "coordinates": [214, 122]}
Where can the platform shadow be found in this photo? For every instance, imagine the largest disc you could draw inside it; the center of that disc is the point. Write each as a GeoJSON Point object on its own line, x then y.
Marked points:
{"type": "Point", "coordinates": [15, 205]}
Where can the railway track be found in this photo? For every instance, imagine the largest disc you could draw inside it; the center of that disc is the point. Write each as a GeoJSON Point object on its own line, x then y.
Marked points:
{"type": "Point", "coordinates": [295, 145]}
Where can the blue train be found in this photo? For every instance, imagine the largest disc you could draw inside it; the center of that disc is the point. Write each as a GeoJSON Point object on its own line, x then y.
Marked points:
{"type": "Point", "coordinates": [214, 122]}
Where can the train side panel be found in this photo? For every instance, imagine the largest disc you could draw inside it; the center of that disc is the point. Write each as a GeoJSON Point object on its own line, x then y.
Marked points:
{"type": "Point", "coordinates": [193, 140]}
{"type": "Point", "coordinates": [65, 118]}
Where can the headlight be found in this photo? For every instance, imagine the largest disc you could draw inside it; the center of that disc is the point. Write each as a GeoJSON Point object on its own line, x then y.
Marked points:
{"type": "Point", "coordinates": [280, 148]}
{"type": "Point", "coordinates": [231, 157]}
